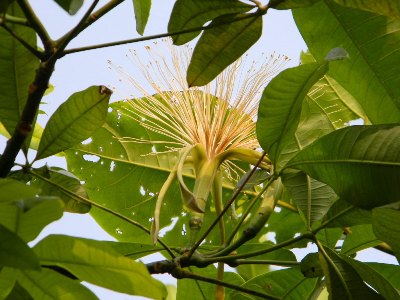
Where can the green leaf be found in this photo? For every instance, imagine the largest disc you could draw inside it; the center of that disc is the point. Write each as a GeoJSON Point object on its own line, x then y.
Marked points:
{"type": "Point", "coordinates": [97, 263]}
{"type": "Point", "coordinates": [17, 67]}
{"type": "Point", "coordinates": [310, 266]}
{"type": "Point", "coordinates": [289, 4]}
{"type": "Point", "coordinates": [61, 178]}
{"type": "Point", "coordinates": [390, 272]}
{"type": "Point", "coordinates": [142, 12]}
{"type": "Point", "coordinates": [7, 283]}
{"type": "Point", "coordinates": [28, 217]}
{"type": "Point", "coordinates": [248, 271]}
{"type": "Point", "coordinates": [188, 14]}
{"type": "Point", "coordinates": [339, 106]}
{"type": "Point", "coordinates": [342, 279]}
{"type": "Point", "coordinates": [70, 6]}
{"type": "Point", "coordinates": [283, 284]}
{"type": "Point", "coordinates": [360, 163]}
{"type": "Point", "coordinates": [370, 75]}
{"type": "Point", "coordinates": [18, 293]}
{"type": "Point", "coordinates": [280, 106]}
{"type": "Point", "coordinates": [388, 8]}
{"type": "Point", "coordinates": [12, 190]}
{"type": "Point", "coordinates": [134, 250]}
{"type": "Point", "coordinates": [49, 285]}
{"type": "Point", "coordinates": [24, 213]}
{"type": "Point", "coordinates": [358, 238]}
{"type": "Point", "coordinates": [204, 290]}
{"type": "Point", "coordinates": [343, 214]}
{"type": "Point", "coordinates": [329, 236]}
{"type": "Point", "coordinates": [284, 224]}
{"type": "Point", "coordinates": [221, 45]}
{"type": "Point", "coordinates": [312, 197]}
{"type": "Point", "coordinates": [386, 224]}
{"type": "Point", "coordinates": [379, 282]}
{"type": "Point", "coordinates": [75, 120]}
{"type": "Point", "coordinates": [126, 176]}
{"type": "Point", "coordinates": [14, 252]}
{"type": "Point", "coordinates": [4, 5]}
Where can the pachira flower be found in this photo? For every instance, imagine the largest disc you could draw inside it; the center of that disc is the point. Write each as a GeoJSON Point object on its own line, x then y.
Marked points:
{"type": "Point", "coordinates": [210, 126]}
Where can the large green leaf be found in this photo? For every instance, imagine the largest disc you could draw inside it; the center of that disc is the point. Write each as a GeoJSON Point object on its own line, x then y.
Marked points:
{"type": "Point", "coordinates": [360, 163]}
{"type": "Point", "coordinates": [343, 214]}
{"type": "Point", "coordinates": [358, 238]}
{"type": "Point", "coordinates": [75, 120]}
{"type": "Point", "coordinates": [312, 197]}
{"type": "Point", "coordinates": [57, 181]}
{"type": "Point", "coordinates": [283, 284]}
{"type": "Point", "coordinates": [221, 45]}
{"type": "Point", "coordinates": [290, 4]}
{"type": "Point", "coordinates": [19, 293]}
{"type": "Point", "coordinates": [372, 41]}
{"type": "Point", "coordinates": [30, 216]}
{"type": "Point", "coordinates": [134, 250]}
{"type": "Point", "coordinates": [388, 8]}
{"type": "Point", "coordinates": [70, 6]}
{"type": "Point", "coordinates": [342, 279]}
{"type": "Point", "coordinates": [142, 12]}
{"type": "Point", "coordinates": [98, 263]}
{"type": "Point", "coordinates": [12, 190]}
{"type": "Point", "coordinates": [374, 279]}
{"type": "Point", "coordinates": [24, 213]}
{"type": "Point", "coordinates": [126, 176]}
{"type": "Point", "coordinates": [386, 224]}
{"type": "Point", "coordinates": [188, 14]}
{"type": "Point", "coordinates": [7, 283]}
{"type": "Point", "coordinates": [280, 106]}
{"type": "Point", "coordinates": [49, 285]}
{"type": "Point", "coordinates": [339, 106]}
{"type": "Point", "coordinates": [14, 252]}
{"type": "Point", "coordinates": [391, 273]}
{"type": "Point", "coordinates": [17, 66]}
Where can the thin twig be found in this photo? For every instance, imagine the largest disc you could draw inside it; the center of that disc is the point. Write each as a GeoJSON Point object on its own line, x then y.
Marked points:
{"type": "Point", "coordinates": [228, 204]}
{"type": "Point", "coordinates": [229, 258]}
{"type": "Point", "coordinates": [246, 213]}
{"type": "Point", "coordinates": [155, 36]}
{"type": "Point", "coordinates": [64, 40]}
{"type": "Point", "coordinates": [282, 263]}
{"type": "Point", "coordinates": [106, 209]}
{"type": "Point", "coordinates": [35, 23]}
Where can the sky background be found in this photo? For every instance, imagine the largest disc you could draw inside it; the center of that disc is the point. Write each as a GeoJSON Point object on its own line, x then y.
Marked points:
{"type": "Point", "coordinates": [76, 72]}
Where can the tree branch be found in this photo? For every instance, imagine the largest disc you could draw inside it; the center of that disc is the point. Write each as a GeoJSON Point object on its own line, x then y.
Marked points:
{"type": "Point", "coordinates": [152, 37]}
{"type": "Point", "coordinates": [24, 127]}
{"type": "Point", "coordinates": [88, 19]}
{"type": "Point", "coordinates": [64, 40]}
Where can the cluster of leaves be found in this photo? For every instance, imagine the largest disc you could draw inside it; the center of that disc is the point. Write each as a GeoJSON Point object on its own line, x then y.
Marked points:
{"type": "Point", "coordinates": [334, 185]}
